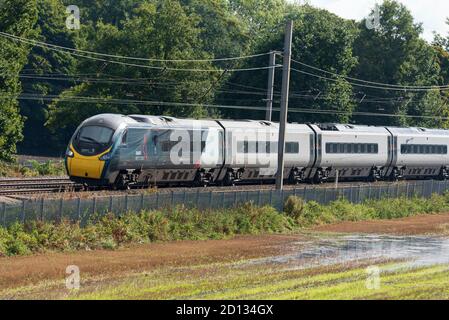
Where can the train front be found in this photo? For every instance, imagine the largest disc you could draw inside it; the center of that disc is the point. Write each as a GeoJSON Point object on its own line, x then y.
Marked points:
{"type": "Point", "coordinates": [91, 148]}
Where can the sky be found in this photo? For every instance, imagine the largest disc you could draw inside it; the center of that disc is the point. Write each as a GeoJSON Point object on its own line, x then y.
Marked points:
{"type": "Point", "coordinates": [432, 13]}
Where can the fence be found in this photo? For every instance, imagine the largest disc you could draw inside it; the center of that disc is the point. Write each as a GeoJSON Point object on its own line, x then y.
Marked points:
{"type": "Point", "coordinates": [79, 209]}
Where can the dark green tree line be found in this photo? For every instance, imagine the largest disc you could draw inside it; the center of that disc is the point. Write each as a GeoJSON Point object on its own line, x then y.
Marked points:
{"type": "Point", "coordinates": [16, 17]}
{"type": "Point", "coordinates": [393, 53]}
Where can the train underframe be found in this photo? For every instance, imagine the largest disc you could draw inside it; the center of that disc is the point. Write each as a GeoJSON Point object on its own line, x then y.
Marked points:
{"type": "Point", "coordinates": [134, 178]}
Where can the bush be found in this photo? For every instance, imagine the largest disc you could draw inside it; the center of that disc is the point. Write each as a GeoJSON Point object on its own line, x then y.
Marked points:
{"type": "Point", "coordinates": [48, 168]}
{"type": "Point", "coordinates": [294, 207]}
{"type": "Point", "coordinates": [110, 232]}
{"type": "Point", "coordinates": [35, 168]}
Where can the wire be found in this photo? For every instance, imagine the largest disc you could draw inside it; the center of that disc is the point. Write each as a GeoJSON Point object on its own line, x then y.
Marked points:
{"type": "Point", "coordinates": [315, 111]}
{"type": "Point", "coordinates": [389, 86]}
{"type": "Point", "coordinates": [368, 86]}
{"type": "Point", "coordinates": [144, 66]}
{"type": "Point", "coordinates": [81, 99]}
{"type": "Point", "coordinates": [40, 43]}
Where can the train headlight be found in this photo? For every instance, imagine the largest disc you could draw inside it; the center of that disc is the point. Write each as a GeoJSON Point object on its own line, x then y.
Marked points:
{"type": "Point", "coordinates": [106, 157]}
{"type": "Point", "coordinates": [69, 153]}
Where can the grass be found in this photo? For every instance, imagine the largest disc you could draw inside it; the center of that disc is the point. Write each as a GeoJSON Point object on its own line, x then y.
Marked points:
{"type": "Point", "coordinates": [110, 231]}
{"type": "Point", "coordinates": [262, 282]}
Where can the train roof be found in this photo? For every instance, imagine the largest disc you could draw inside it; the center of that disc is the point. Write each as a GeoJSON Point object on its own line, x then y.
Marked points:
{"type": "Point", "coordinates": [110, 120]}
{"type": "Point", "coordinates": [166, 121]}
{"type": "Point", "coordinates": [417, 131]}
{"type": "Point", "coordinates": [349, 128]}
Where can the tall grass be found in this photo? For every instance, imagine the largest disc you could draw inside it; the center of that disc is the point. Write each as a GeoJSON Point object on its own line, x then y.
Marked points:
{"type": "Point", "coordinates": [312, 213]}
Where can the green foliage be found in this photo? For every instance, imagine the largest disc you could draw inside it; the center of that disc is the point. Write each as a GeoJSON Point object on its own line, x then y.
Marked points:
{"type": "Point", "coordinates": [320, 38]}
{"type": "Point", "coordinates": [156, 29]}
{"type": "Point", "coordinates": [45, 72]}
{"type": "Point", "coordinates": [394, 53]}
{"type": "Point", "coordinates": [313, 213]}
{"type": "Point", "coordinates": [48, 168]}
{"type": "Point", "coordinates": [110, 232]}
{"type": "Point", "coordinates": [33, 169]}
{"type": "Point", "coordinates": [17, 17]}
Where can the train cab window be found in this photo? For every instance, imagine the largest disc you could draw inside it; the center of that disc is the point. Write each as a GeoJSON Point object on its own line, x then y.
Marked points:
{"type": "Point", "coordinates": [93, 140]}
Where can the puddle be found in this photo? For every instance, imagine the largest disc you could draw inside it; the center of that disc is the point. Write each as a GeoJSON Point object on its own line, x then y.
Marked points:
{"type": "Point", "coordinates": [418, 251]}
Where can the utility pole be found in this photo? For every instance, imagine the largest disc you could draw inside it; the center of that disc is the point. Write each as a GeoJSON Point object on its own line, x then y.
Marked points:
{"type": "Point", "coordinates": [270, 91]}
{"type": "Point", "coordinates": [284, 103]}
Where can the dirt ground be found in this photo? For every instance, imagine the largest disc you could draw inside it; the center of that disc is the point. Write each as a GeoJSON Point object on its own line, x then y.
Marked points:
{"type": "Point", "coordinates": [422, 224]}
{"type": "Point", "coordinates": [29, 270]}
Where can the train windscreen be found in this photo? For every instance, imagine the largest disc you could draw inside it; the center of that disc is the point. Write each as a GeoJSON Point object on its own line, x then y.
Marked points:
{"type": "Point", "coordinates": [93, 140]}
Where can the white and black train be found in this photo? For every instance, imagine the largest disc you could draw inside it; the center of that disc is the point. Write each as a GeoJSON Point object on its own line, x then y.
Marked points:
{"type": "Point", "coordinates": [121, 151]}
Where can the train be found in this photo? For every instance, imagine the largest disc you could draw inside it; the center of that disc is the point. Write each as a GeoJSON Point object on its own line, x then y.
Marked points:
{"type": "Point", "coordinates": [124, 151]}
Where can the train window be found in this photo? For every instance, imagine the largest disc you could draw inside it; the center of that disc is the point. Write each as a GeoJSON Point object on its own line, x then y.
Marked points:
{"type": "Point", "coordinates": [96, 134]}
{"type": "Point", "coordinates": [92, 140]}
{"type": "Point", "coordinates": [356, 148]}
{"type": "Point", "coordinates": [350, 148]}
{"type": "Point", "coordinates": [423, 149]}
{"type": "Point", "coordinates": [292, 147]}
{"type": "Point", "coordinates": [241, 146]}
{"type": "Point", "coordinates": [256, 147]}
{"type": "Point", "coordinates": [124, 137]}
{"type": "Point", "coordinates": [166, 146]}
{"type": "Point", "coordinates": [363, 148]}
{"type": "Point", "coordinates": [194, 146]}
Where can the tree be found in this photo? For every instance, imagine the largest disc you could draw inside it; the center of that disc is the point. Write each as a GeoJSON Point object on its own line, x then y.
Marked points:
{"type": "Point", "coordinates": [46, 73]}
{"type": "Point", "coordinates": [113, 12]}
{"type": "Point", "coordinates": [320, 39]}
{"type": "Point", "coordinates": [17, 17]}
{"type": "Point", "coordinates": [158, 30]}
{"type": "Point", "coordinates": [395, 54]}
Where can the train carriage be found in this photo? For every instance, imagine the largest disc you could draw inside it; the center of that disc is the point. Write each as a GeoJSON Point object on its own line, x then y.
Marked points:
{"type": "Point", "coordinates": [138, 150]}
{"type": "Point", "coordinates": [252, 147]}
{"type": "Point", "coordinates": [357, 152]}
{"type": "Point", "coordinates": [419, 153]}
{"type": "Point", "coordinates": [145, 150]}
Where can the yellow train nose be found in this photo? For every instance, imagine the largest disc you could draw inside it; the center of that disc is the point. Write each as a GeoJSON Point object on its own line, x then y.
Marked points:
{"type": "Point", "coordinates": [85, 166]}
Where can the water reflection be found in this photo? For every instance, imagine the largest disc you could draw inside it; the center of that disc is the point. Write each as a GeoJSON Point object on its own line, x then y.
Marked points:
{"type": "Point", "coordinates": [417, 250]}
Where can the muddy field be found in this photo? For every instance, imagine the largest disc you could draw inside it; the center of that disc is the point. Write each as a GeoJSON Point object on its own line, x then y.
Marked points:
{"type": "Point", "coordinates": [305, 265]}
{"type": "Point", "coordinates": [422, 224]}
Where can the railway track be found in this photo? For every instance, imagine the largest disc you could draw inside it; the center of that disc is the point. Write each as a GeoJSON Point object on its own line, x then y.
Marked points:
{"type": "Point", "coordinates": [36, 185]}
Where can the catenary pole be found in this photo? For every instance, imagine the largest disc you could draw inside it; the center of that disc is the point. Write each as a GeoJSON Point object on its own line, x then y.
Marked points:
{"type": "Point", "coordinates": [270, 87]}
{"type": "Point", "coordinates": [284, 103]}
